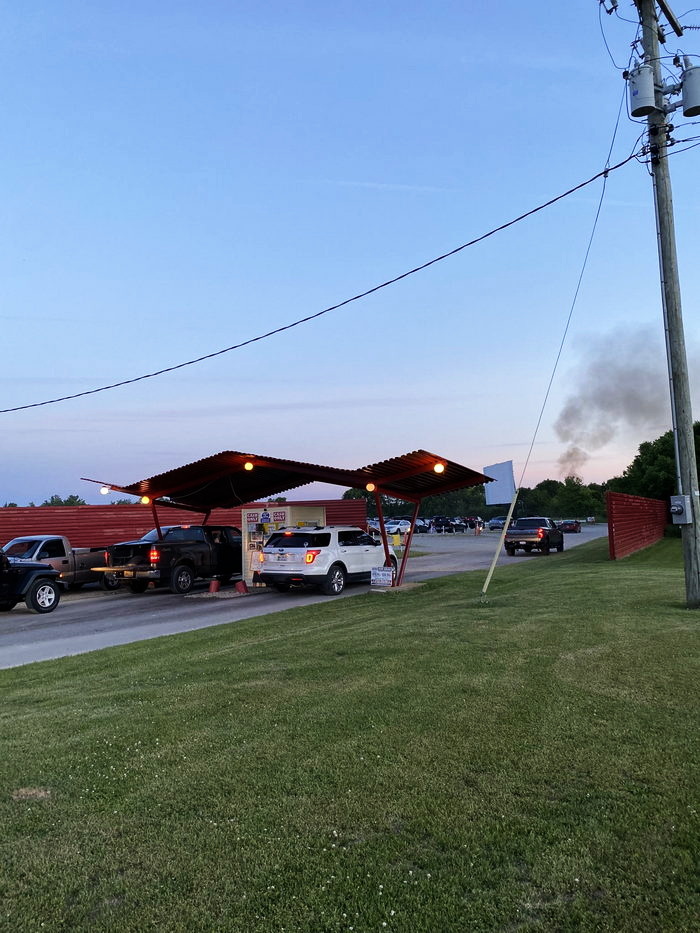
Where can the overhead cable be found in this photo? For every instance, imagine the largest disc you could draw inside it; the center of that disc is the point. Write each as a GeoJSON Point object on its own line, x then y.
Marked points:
{"type": "Point", "coordinates": [370, 291]}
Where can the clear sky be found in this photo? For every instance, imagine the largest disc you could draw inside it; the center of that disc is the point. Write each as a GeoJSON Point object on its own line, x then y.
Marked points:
{"type": "Point", "coordinates": [180, 177]}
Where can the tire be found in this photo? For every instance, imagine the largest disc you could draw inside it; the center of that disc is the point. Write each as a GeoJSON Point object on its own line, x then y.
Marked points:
{"type": "Point", "coordinates": [138, 586]}
{"type": "Point", "coordinates": [545, 548]}
{"type": "Point", "coordinates": [334, 584]}
{"type": "Point", "coordinates": [108, 582]}
{"type": "Point", "coordinates": [560, 547]}
{"type": "Point", "coordinates": [43, 596]}
{"type": "Point", "coordinates": [181, 579]}
{"type": "Point", "coordinates": [7, 605]}
{"type": "Point", "coordinates": [510, 551]}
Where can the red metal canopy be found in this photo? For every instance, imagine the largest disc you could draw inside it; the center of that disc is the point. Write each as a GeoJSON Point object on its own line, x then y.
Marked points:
{"type": "Point", "coordinates": [232, 478]}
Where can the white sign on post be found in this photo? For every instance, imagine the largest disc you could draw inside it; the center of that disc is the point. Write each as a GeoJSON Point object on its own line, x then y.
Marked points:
{"type": "Point", "coordinates": [382, 576]}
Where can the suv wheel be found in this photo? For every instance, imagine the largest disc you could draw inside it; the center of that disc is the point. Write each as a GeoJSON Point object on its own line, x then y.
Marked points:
{"type": "Point", "coordinates": [334, 584]}
{"type": "Point", "coordinates": [43, 596]}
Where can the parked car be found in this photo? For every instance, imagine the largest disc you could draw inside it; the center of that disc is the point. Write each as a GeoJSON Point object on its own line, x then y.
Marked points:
{"type": "Point", "coordinates": [421, 527]}
{"type": "Point", "coordinates": [398, 526]}
{"type": "Point", "coordinates": [459, 524]}
{"type": "Point", "coordinates": [176, 557]}
{"type": "Point", "coordinates": [533, 533]}
{"type": "Point", "coordinates": [373, 526]}
{"type": "Point", "coordinates": [569, 525]}
{"type": "Point", "coordinates": [74, 564]}
{"type": "Point", "coordinates": [443, 525]}
{"type": "Point", "coordinates": [326, 557]}
{"type": "Point", "coordinates": [33, 582]}
{"type": "Point", "coordinates": [497, 523]}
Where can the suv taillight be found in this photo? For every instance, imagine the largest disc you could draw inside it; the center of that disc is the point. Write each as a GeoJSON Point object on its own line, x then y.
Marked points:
{"type": "Point", "coordinates": [154, 555]}
{"type": "Point", "coordinates": [311, 555]}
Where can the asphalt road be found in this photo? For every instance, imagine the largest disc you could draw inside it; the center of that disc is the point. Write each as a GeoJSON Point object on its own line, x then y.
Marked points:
{"type": "Point", "coordinates": [92, 619]}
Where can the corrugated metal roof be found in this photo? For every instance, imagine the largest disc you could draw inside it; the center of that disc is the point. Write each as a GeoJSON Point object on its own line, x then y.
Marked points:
{"type": "Point", "coordinates": [232, 478]}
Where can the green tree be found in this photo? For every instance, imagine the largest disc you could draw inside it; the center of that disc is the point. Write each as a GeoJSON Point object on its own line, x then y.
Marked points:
{"type": "Point", "coordinates": [538, 501]}
{"type": "Point", "coordinates": [652, 473]}
{"type": "Point", "coordinates": [10, 505]}
{"type": "Point", "coordinates": [573, 499]}
{"type": "Point", "coordinates": [69, 500]}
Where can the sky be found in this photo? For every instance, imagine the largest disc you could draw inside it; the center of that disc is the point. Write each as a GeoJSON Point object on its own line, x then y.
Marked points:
{"type": "Point", "coordinates": [181, 178]}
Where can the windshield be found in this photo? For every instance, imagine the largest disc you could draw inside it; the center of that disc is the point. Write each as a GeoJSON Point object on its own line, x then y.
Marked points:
{"type": "Point", "coordinates": [20, 549]}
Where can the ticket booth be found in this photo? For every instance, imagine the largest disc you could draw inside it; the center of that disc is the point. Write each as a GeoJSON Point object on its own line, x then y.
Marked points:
{"type": "Point", "coordinates": [258, 523]}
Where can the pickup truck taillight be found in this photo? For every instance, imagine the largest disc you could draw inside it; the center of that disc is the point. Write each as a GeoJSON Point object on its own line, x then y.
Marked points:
{"type": "Point", "coordinates": [154, 555]}
{"type": "Point", "coordinates": [540, 532]}
{"type": "Point", "coordinates": [311, 555]}
{"type": "Point", "coordinates": [107, 558]}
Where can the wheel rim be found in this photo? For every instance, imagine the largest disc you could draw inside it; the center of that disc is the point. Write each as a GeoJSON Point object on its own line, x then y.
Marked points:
{"type": "Point", "coordinates": [337, 580]}
{"type": "Point", "coordinates": [45, 596]}
{"type": "Point", "coordinates": [184, 579]}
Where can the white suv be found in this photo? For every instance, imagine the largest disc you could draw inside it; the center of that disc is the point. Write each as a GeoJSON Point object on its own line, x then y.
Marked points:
{"type": "Point", "coordinates": [324, 556]}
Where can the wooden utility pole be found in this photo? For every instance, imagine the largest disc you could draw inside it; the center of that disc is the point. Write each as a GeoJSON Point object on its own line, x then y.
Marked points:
{"type": "Point", "coordinates": [687, 472]}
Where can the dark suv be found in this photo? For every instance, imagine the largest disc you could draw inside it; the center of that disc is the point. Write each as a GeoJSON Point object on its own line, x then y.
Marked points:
{"type": "Point", "coordinates": [34, 583]}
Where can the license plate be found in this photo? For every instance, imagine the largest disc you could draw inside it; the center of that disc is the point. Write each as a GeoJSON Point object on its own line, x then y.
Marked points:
{"type": "Point", "coordinates": [128, 573]}
{"type": "Point", "coordinates": [281, 557]}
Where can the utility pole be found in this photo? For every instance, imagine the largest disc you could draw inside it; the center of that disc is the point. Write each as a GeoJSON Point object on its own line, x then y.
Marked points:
{"type": "Point", "coordinates": [687, 473]}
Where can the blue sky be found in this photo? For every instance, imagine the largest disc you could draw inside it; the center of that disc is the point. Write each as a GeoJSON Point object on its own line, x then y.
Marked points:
{"type": "Point", "coordinates": [182, 177]}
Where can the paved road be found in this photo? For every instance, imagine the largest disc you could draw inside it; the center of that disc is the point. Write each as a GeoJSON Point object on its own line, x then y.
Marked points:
{"type": "Point", "coordinates": [91, 619]}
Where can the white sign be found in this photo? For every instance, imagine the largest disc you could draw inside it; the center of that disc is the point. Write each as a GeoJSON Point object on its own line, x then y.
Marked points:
{"type": "Point", "coordinates": [382, 576]}
{"type": "Point", "coordinates": [502, 491]}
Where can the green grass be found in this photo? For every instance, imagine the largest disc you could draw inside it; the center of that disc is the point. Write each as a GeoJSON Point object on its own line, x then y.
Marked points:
{"type": "Point", "coordinates": [415, 761]}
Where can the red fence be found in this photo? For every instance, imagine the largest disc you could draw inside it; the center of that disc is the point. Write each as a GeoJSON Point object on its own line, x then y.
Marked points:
{"type": "Point", "coordinates": [633, 523]}
{"type": "Point", "coordinates": [97, 525]}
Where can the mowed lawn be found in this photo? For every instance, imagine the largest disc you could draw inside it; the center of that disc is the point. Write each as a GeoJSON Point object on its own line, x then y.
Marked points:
{"type": "Point", "coordinates": [413, 761]}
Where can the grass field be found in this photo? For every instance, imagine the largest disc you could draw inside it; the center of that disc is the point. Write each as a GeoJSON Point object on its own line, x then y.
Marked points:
{"type": "Point", "coordinates": [413, 761]}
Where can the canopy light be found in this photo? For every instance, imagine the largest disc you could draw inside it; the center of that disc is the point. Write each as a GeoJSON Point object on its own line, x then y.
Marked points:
{"type": "Point", "coordinates": [439, 468]}
{"type": "Point", "coordinates": [248, 465]}
{"type": "Point", "coordinates": [105, 490]}
{"type": "Point", "coordinates": [145, 500]}
{"type": "Point", "coordinates": [370, 487]}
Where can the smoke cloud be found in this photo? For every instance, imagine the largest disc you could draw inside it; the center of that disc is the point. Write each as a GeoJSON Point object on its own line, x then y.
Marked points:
{"type": "Point", "coordinates": [621, 382]}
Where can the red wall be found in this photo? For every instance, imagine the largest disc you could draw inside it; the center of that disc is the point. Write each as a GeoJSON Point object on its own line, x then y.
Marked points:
{"type": "Point", "coordinates": [98, 525]}
{"type": "Point", "coordinates": [633, 523]}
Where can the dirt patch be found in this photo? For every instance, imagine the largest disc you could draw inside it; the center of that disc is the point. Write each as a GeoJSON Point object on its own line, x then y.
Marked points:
{"type": "Point", "coordinates": [31, 793]}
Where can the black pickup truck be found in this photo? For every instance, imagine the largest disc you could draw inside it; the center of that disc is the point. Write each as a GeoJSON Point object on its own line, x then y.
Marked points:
{"type": "Point", "coordinates": [176, 558]}
{"type": "Point", "coordinates": [534, 533]}
{"type": "Point", "coordinates": [33, 582]}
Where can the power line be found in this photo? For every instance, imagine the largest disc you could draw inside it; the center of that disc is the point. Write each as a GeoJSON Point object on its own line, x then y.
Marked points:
{"type": "Point", "coordinates": [370, 291]}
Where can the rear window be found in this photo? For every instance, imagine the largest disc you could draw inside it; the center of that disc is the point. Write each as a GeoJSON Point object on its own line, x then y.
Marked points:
{"type": "Point", "coordinates": [300, 539]}
{"type": "Point", "coordinates": [530, 523]}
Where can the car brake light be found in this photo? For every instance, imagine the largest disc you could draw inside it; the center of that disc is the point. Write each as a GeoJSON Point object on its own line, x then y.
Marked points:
{"type": "Point", "coordinates": [540, 532]}
{"type": "Point", "coordinates": [261, 557]}
{"type": "Point", "coordinates": [107, 558]}
{"type": "Point", "coordinates": [311, 555]}
{"type": "Point", "coordinates": [154, 555]}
